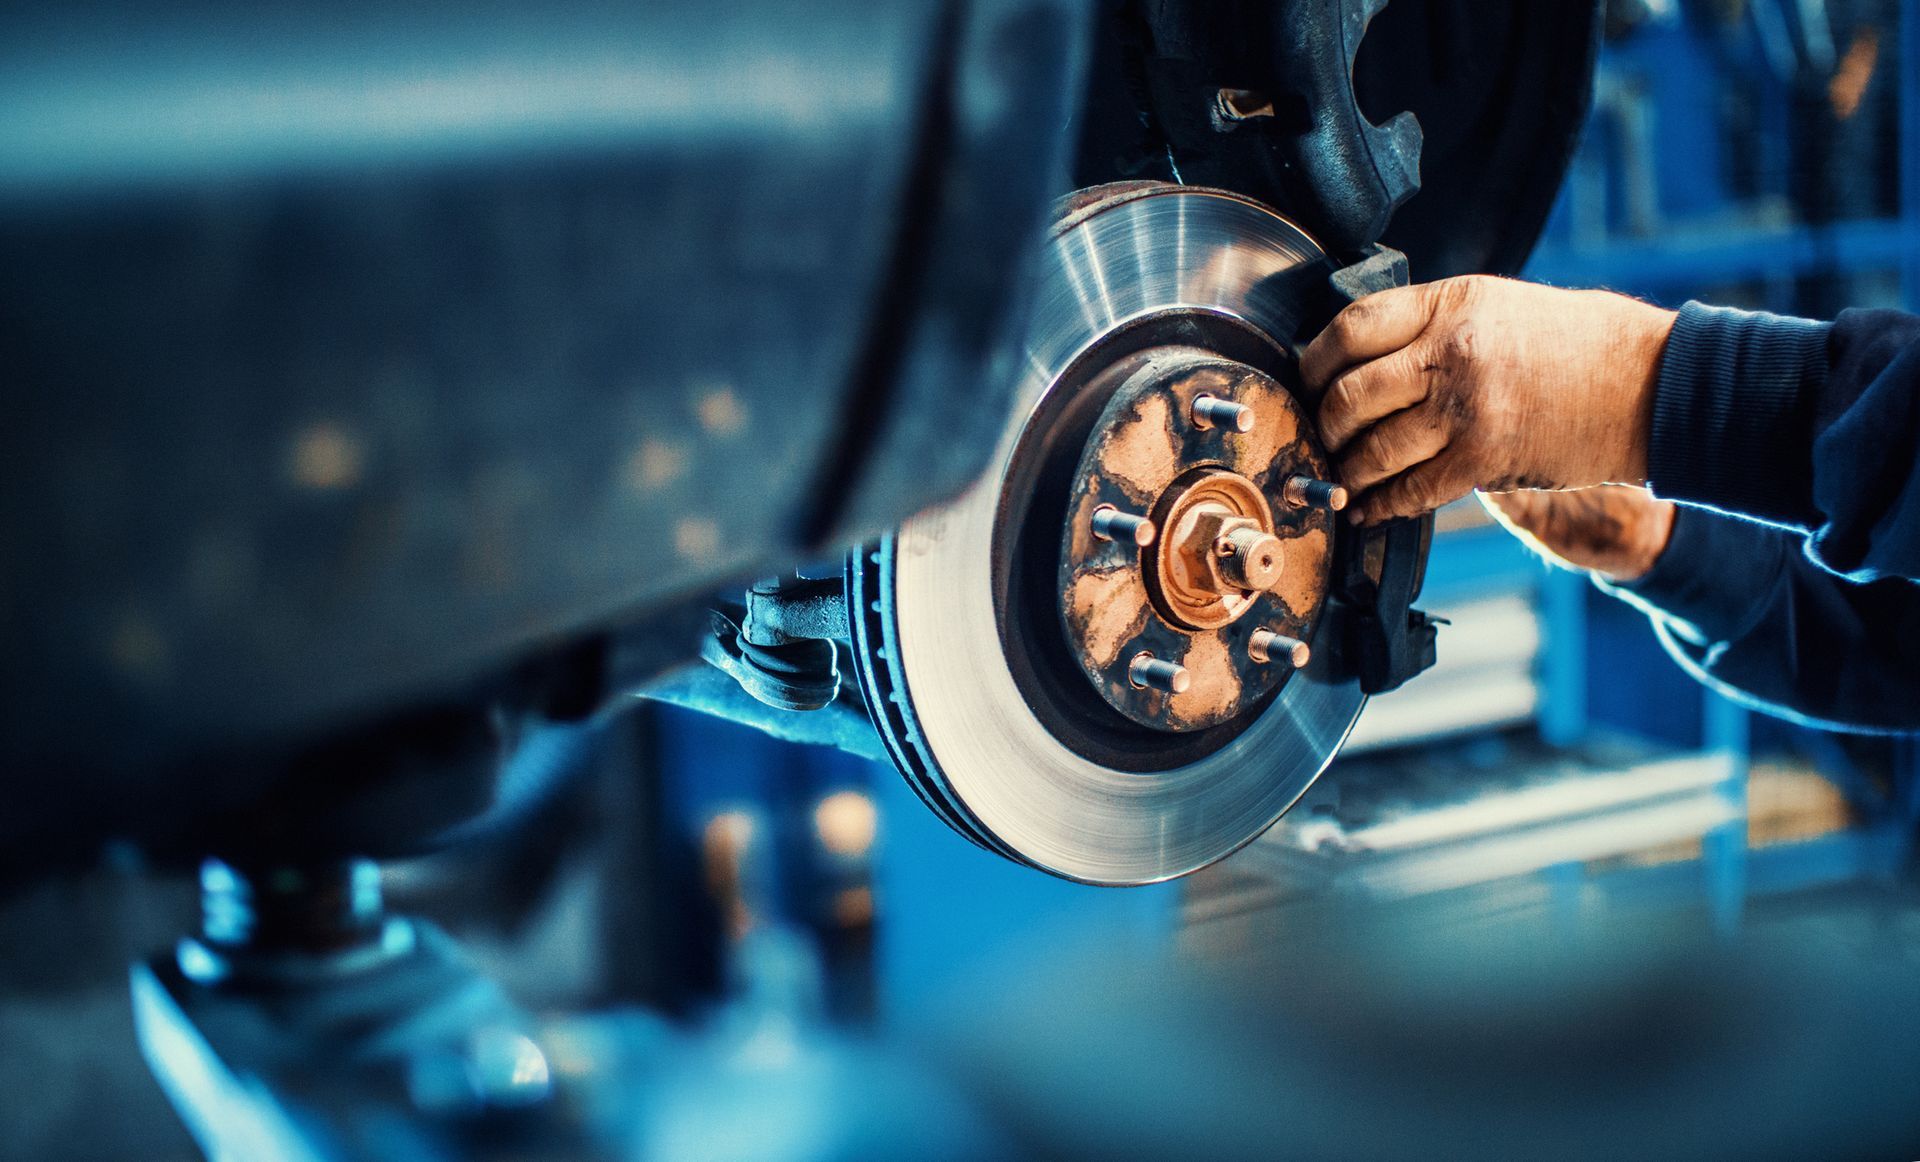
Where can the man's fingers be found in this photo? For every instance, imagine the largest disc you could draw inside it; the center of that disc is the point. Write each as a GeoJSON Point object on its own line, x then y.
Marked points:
{"type": "Point", "coordinates": [1367, 329]}
{"type": "Point", "coordinates": [1420, 489]}
{"type": "Point", "coordinates": [1371, 391]}
{"type": "Point", "coordinates": [1392, 446]}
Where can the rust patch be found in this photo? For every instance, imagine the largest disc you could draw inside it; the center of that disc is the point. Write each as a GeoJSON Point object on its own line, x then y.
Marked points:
{"type": "Point", "coordinates": [1142, 455]}
{"type": "Point", "coordinates": [1105, 609]}
{"type": "Point", "coordinates": [1304, 580]}
{"type": "Point", "coordinates": [1082, 543]}
{"type": "Point", "coordinates": [1278, 429]}
{"type": "Point", "coordinates": [1215, 693]}
{"type": "Point", "coordinates": [1147, 455]}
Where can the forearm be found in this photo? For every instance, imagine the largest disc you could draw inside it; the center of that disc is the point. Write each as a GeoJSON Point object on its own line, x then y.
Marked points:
{"type": "Point", "coordinates": [1810, 426]}
{"type": "Point", "coordinates": [1741, 607]}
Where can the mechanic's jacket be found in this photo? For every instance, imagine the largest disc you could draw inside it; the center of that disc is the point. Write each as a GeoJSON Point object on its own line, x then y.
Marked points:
{"type": "Point", "coordinates": [1793, 448]}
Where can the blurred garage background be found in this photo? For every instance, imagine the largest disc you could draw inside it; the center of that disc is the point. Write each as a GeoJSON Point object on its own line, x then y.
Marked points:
{"type": "Point", "coordinates": [1556, 764]}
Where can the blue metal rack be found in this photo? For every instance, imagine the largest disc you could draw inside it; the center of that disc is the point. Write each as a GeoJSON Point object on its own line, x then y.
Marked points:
{"type": "Point", "coordinates": [1712, 239]}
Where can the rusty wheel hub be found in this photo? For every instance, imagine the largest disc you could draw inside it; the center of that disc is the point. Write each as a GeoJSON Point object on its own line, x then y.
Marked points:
{"type": "Point", "coordinates": [1194, 563]}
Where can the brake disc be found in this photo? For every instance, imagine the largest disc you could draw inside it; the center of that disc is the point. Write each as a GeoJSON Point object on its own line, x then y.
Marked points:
{"type": "Point", "coordinates": [1103, 660]}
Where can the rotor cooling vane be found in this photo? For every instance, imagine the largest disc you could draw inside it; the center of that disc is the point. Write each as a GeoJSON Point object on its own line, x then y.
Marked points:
{"type": "Point", "coordinates": [1106, 659]}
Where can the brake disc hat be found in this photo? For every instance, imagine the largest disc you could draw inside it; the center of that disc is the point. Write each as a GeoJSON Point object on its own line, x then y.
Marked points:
{"type": "Point", "coordinates": [962, 669]}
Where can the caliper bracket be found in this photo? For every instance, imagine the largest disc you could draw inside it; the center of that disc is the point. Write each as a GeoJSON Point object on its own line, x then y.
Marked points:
{"type": "Point", "coordinates": [1378, 571]}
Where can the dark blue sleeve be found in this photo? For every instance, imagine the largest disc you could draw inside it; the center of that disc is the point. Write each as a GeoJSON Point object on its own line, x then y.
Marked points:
{"type": "Point", "coordinates": [1742, 607]}
{"type": "Point", "coordinates": [1813, 427]}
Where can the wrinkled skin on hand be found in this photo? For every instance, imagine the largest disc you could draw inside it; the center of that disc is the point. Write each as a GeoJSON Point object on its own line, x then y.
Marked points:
{"type": "Point", "coordinates": [1435, 390]}
{"type": "Point", "coordinates": [1613, 530]}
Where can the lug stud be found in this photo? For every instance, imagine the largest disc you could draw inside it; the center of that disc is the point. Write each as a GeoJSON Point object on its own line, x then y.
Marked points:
{"type": "Point", "coordinates": [1264, 645]}
{"type": "Point", "coordinates": [1147, 671]}
{"type": "Point", "coordinates": [1213, 412]}
{"type": "Point", "coordinates": [1306, 492]}
{"type": "Point", "coordinates": [1110, 524]}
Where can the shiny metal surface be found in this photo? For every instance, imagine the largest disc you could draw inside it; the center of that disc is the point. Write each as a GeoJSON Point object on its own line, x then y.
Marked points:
{"type": "Point", "coordinates": [1176, 249]}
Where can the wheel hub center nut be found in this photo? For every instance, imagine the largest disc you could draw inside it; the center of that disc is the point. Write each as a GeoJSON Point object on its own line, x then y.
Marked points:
{"type": "Point", "coordinates": [1219, 553]}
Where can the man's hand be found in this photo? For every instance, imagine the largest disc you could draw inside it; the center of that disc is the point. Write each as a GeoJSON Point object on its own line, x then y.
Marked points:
{"type": "Point", "coordinates": [1615, 531]}
{"type": "Point", "coordinates": [1432, 391]}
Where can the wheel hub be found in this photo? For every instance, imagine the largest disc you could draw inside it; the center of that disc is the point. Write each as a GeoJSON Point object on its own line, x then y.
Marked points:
{"type": "Point", "coordinates": [1190, 529]}
{"type": "Point", "coordinates": [1219, 553]}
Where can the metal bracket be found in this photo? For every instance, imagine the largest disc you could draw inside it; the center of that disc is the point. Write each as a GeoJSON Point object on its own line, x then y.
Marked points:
{"type": "Point", "coordinates": [779, 646]}
{"type": "Point", "coordinates": [1259, 98]}
{"type": "Point", "coordinates": [305, 1023]}
{"type": "Point", "coordinates": [1359, 172]}
{"type": "Point", "coordinates": [785, 610]}
{"type": "Point", "coordinates": [782, 650]}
